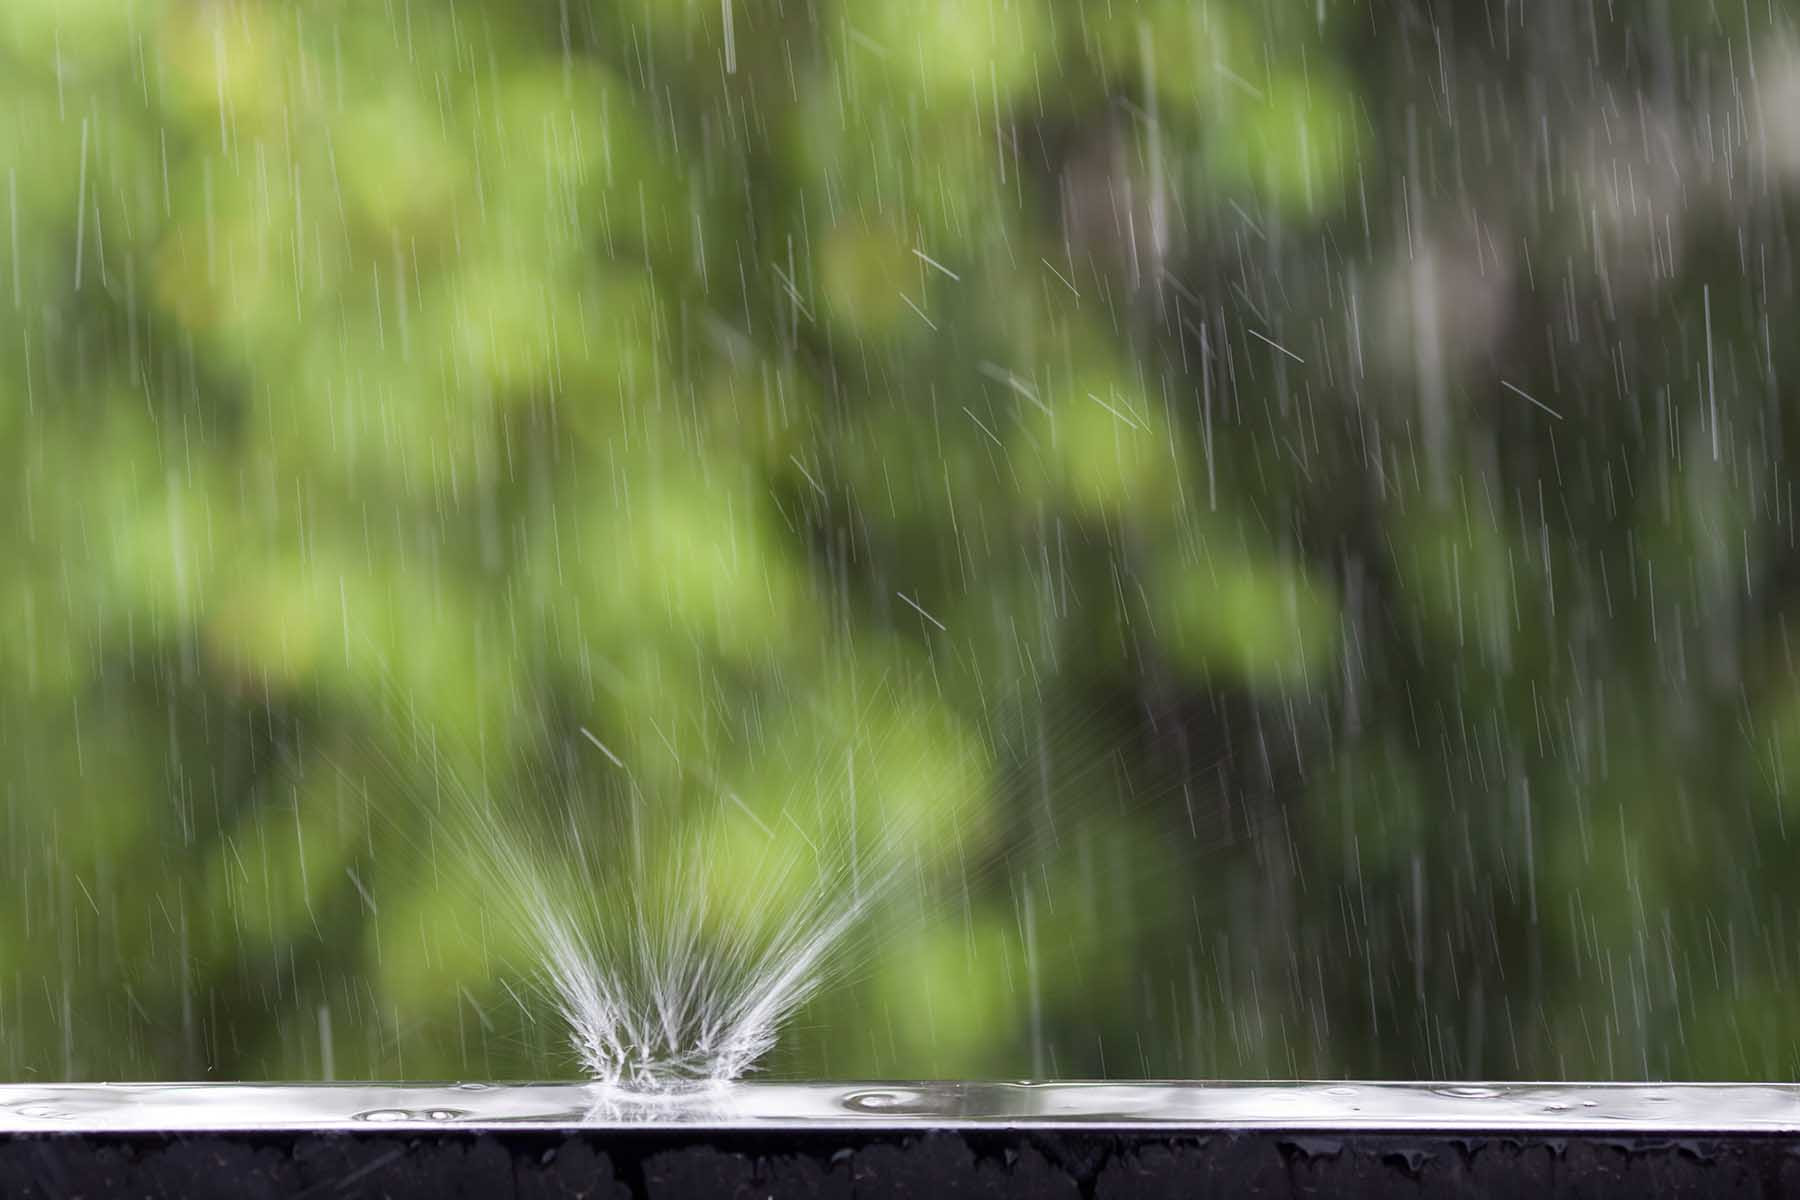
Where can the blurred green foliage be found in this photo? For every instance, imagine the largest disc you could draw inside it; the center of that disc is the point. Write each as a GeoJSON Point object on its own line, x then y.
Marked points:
{"type": "Point", "coordinates": [1067, 440]}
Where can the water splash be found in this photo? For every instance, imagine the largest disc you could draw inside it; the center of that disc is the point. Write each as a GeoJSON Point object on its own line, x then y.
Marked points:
{"type": "Point", "coordinates": [662, 1008]}
{"type": "Point", "coordinates": [678, 925]}
{"type": "Point", "coordinates": [674, 971]}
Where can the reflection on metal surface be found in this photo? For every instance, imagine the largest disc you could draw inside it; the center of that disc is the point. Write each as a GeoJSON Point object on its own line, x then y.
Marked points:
{"type": "Point", "coordinates": [1546, 1107]}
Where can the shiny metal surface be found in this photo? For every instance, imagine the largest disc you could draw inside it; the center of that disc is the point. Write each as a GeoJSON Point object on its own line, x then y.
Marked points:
{"type": "Point", "coordinates": [1539, 1107]}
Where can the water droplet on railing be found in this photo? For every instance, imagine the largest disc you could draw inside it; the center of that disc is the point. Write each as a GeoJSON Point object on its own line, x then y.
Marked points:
{"type": "Point", "coordinates": [47, 1112]}
{"type": "Point", "coordinates": [411, 1114]}
{"type": "Point", "coordinates": [887, 1100]}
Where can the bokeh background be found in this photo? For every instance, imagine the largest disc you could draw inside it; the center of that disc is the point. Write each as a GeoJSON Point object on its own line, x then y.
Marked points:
{"type": "Point", "coordinates": [1282, 508]}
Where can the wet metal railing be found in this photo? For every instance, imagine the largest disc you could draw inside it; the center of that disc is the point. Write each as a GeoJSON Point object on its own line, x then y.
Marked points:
{"type": "Point", "coordinates": [938, 1139]}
